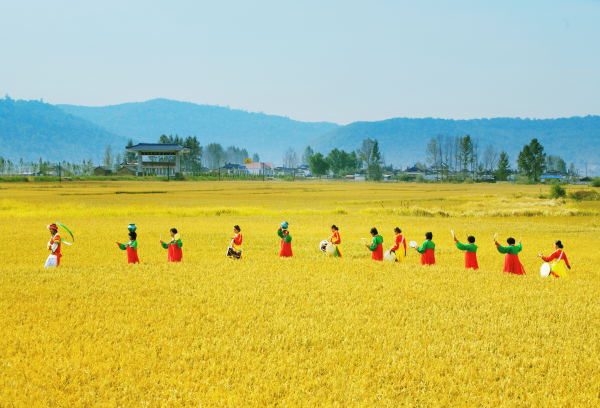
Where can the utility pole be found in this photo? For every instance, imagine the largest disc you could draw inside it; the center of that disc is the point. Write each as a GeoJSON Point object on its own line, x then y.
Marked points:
{"type": "Point", "coordinates": [219, 165]}
{"type": "Point", "coordinates": [59, 177]}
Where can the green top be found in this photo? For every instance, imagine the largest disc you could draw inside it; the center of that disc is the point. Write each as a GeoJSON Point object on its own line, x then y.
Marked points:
{"type": "Point", "coordinates": [130, 244]}
{"type": "Point", "coordinates": [466, 247]}
{"type": "Point", "coordinates": [166, 245]}
{"type": "Point", "coordinates": [426, 245]}
{"type": "Point", "coordinates": [377, 240]}
{"type": "Point", "coordinates": [512, 249]}
{"type": "Point", "coordinates": [287, 239]}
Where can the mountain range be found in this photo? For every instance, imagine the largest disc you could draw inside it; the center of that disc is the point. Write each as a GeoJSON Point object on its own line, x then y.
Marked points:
{"type": "Point", "coordinates": [33, 129]}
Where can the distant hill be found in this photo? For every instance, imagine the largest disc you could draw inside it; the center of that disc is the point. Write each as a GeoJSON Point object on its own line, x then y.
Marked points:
{"type": "Point", "coordinates": [403, 140]}
{"type": "Point", "coordinates": [33, 129]}
{"type": "Point", "coordinates": [268, 135]}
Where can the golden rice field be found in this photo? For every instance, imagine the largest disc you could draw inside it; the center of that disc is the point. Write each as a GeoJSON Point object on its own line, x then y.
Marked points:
{"type": "Point", "coordinates": [306, 331]}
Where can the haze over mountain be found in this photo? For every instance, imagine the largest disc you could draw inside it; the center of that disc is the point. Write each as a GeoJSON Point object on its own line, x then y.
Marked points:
{"type": "Point", "coordinates": [403, 141]}
{"type": "Point", "coordinates": [32, 130]}
{"type": "Point", "coordinates": [269, 135]}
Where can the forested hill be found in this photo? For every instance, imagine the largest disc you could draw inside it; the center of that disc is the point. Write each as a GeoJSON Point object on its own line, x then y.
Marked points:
{"type": "Point", "coordinates": [403, 141]}
{"type": "Point", "coordinates": [32, 130]}
{"type": "Point", "coordinates": [145, 121]}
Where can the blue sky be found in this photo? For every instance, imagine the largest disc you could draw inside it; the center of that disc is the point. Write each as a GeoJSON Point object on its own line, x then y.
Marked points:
{"type": "Point", "coordinates": [337, 61]}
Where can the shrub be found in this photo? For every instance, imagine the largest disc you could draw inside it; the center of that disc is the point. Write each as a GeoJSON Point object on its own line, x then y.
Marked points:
{"type": "Point", "coordinates": [595, 182]}
{"type": "Point", "coordinates": [557, 191]}
{"type": "Point", "coordinates": [420, 179]}
{"type": "Point", "coordinates": [584, 195]}
{"type": "Point", "coordinates": [468, 180]}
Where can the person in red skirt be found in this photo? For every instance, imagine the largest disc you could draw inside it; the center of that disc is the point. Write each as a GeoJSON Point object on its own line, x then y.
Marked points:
{"type": "Point", "coordinates": [470, 252]}
{"type": "Point", "coordinates": [427, 250]}
{"type": "Point", "coordinates": [376, 247]}
{"type": "Point", "coordinates": [511, 261]}
{"type": "Point", "coordinates": [286, 241]}
{"type": "Point", "coordinates": [175, 253]}
{"type": "Point", "coordinates": [54, 247]}
{"type": "Point", "coordinates": [131, 248]}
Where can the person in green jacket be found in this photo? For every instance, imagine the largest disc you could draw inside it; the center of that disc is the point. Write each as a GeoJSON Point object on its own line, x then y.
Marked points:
{"type": "Point", "coordinates": [470, 252]}
{"type": "Point", "coordinates": [376, 247]}
{"type": "Point", "coordinates": [427, 250]}
{"type": "Point", "coordinates": [512, 264]}
{"type": "Point", "coordinates": [174, 247]}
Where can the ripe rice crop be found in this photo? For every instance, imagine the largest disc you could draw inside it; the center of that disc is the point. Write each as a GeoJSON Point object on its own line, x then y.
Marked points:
{"type": "Point", "coordinates": [309, 330]}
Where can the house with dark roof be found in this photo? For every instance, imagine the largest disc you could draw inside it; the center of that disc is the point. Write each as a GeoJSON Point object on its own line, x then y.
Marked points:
{"type": "Point", "coordinates": [158, 149]}
{"type": "Point", "coordinates": [102, 171]}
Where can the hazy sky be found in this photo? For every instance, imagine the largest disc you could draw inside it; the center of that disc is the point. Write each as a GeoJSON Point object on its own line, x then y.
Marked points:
{"type": "Point", "coordinates": [337, 61]}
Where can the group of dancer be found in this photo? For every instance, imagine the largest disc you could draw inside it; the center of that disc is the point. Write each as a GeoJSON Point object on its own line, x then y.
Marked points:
{"type": "Point", "coordinates": [397, 252]}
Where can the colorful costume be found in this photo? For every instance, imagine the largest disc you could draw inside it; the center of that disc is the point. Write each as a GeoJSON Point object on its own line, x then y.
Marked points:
{"type": "Point", "coordinates": [511, 261]}
{"type": "Point", "coordinates": [286, 244]}
{"type": "Point", "coordinates": [558, 268]}
{"type": "Point", "coordinates": [235, 250]}
{"type": "Point", "coordinates": [470, 254]}
{"type": "Point", "coordinates": [400, 254]}
{"type": "Point", "coordinates": [376, 248]}
{"type": "Point", "coordinates": [174, 247]}
{"type": "Point", "coordinates": [131, 248]}
{"type": "Point", "coordinates": [336, 240]}
{"type": "Point", "coordinates": [427, 251]}
{"type": "Point", "coordinates": [54, 247]}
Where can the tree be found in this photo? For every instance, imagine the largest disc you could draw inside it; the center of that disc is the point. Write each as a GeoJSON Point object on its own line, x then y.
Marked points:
{"type": "Point", "coordinates": [129, 156]}
{"type": "Point", "coordinates": [308, 153]}
{"type": "Point", "coordinates": [432, 152]}
{"type": "Point", "coordinates": [108, 157]}
{"type": "Point", "coordinates": [214, 155]}
{"type": "Point", "coordinates": [490, 156]}
{"type": "Point", "coordinates": [255, 158]}
{"type": "Point", "coordinates": [466, 151]}
{"type": "Point", "coordinates": [532, 160]}
{"type": "Point", "coordinates": [365, 153]}
{"type": "Point", "coordinates": [449, 153]}
{"type": "Point", "coordinates": [117, 162]}
{"type": "Point", "coordinates": [318, 164]}
{"type": "Point", "coordinates": [290, 158]}
{"type": "Point", "coordinates": [503, 167]}
{"type": "Point", "coordinates": [192, 161]}
{"type": "Point", "coordinates": [374, 169]}
{"type": "Point", "coordinates": [336, 161]}
{"type": "Point", "coordinates": [561, 165]}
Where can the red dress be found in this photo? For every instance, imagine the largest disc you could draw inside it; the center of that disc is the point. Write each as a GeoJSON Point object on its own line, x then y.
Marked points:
{"type": "Point", "coordinates": [512, 264]}
{"type": "Point", "coordinates": [286, 245]}
{"type": "Point", "coordinates": [376, 248]}
{"type": "Point", "coordinates": [175, 253]}
{"type": "Point", "coordinates": [471, 260]}
{"type": "Point", "coordinates": [56, 238]}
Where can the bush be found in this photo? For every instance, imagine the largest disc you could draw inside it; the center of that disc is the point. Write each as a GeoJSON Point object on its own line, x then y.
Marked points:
{"type": "Point", "coordinates": [595, 182]}
{"type": "Point", "coordinates": [557, 191]}
{"type": "Point", "coordinates": [468, 180]}
{"type": "Point", "coordinates": [584, 195]}
{"type": "Point", "coordinates": [404, 177]}
{"type": "Point", "coordinates": [420, 179]}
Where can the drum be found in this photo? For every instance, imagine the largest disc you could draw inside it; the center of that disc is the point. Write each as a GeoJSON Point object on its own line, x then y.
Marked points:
{"type": "Point", "coordinates": [323, 245]}
{"type": "Point", "coordinates": [545, 270]}
{"type": "Point", "coordinates": [389, 256]}
{"type": "Point", "coordinates": [233, 253]}
{"type": "Point", "coordinates": [330, 249]}
{"type": "Point", "coordinates": [413, 244]}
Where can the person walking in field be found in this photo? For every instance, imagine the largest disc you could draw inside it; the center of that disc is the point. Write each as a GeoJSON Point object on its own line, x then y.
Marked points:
{"type": "Point", "coordinates": [286, 241]}
{"type": "Point", "coordinates": [54, 246]}
{"type": "Point", "coordinates": [131, 248]}
{"type": "Point", "coordinates": [397, 248]}
{"type": "Point", "coordinates": [470, 252]}
{"type": "Point", "coordinates": [235, 248]}
{"type": "Point", "coordinates": [427, 250]}
{"type": "Point", "coordinates": [559, 268]}
{"type": "Point", "coordinates": [376, 246]}
{"type": "Point", "coordinates": [336, 240]}
{"type": "Point", "coordinates": [175, 253]}
{"type": "Point", "coordinates": [512, 264]}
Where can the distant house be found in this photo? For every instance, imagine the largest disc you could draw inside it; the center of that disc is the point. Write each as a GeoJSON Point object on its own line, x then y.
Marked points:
{"type": "Point", "coordinates": [259, 169]}
{"type": "Point", "coordinates": [359, 177]}
{"type": "Point", "coordinates": [102, 171]}
{"type": "Point", "coordinates": [231, 168]}
{"type": "Point", "coordinates": [157, 168]}
{"type": "Point", "coordinates": [127, 171]}
{"type": "Point", "coordinates": [413, 172]}
{"type": "Point", "coordinates": [303, 170]}
{"type": "Point", "coordinates": [552, 175]}
{"type": "Point", "coordinates": [285, 171]}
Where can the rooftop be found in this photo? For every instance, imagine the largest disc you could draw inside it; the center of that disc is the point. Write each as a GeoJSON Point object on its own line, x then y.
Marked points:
{"type": "Point", "coordinates": [149, 149]}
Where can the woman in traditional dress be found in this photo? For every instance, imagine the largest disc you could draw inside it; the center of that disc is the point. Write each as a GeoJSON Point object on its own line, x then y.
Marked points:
{"type": "Point", "coordinates": [470, 252]}
{"type": "Point", "coordinates": [174, 246]}
{"type": "Point", "coordinates": [427, 250]}
{"type": "Point", "coordinates": [54, 247]}
{"type": "Point", "coordinates": [336, 240]}
{"type": "Point", "coordinates": [286, 241]}
{"type": "Point", "coordinates": [559, 267]}
{"type": "Point", "coordinates": [235, 250]}
{"type": "Point", "coordinates": [131, 248]}
{"type": "Point", "coordinates": [376, 247]}
{"type": "Point", "coordinates": [400, 241]}
{"type": "Point", "coordinates": [511, 261]}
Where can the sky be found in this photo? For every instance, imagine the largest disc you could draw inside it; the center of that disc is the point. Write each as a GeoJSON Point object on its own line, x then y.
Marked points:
{"type": "Point", "coordinates": [335, 61]}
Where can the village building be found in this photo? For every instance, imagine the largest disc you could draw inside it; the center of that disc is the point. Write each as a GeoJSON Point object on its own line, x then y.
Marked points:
{"type": "Point", "coordinates": [158, 150]}
{"type": "Point", "coordinates": [259, 169]}
{"type": "Point", "coordinates": [102, 171]}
